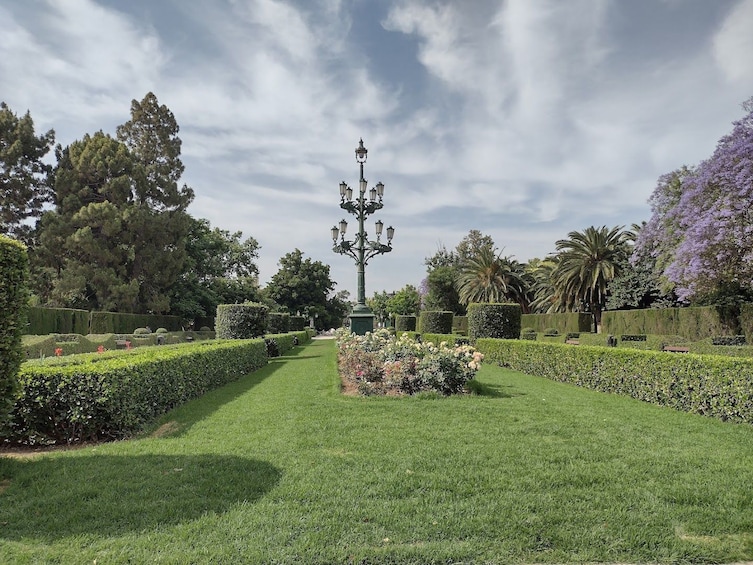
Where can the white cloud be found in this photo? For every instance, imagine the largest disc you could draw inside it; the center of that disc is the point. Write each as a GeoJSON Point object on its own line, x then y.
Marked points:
{"type": "Point", "coordinates": [733, 43]}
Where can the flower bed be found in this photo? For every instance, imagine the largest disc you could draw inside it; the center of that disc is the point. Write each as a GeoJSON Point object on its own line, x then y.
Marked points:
{"type": "Point", "coordinates": [379, 363]}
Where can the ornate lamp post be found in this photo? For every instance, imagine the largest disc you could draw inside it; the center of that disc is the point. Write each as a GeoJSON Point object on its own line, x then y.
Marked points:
{"type": "Point", "coordinates": [360, 248]}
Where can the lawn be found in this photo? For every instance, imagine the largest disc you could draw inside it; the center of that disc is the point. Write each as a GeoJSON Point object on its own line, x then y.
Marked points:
{"type": "Point", "coordinates": [280, 468]}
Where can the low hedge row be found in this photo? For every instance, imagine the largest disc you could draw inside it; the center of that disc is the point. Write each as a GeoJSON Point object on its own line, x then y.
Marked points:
{"type": "Point", "coordinates": [286, 341]}
{"type": "Point", "coordinates": [711, 385]}
{"type": "Point", "coordinates": [94, 397]}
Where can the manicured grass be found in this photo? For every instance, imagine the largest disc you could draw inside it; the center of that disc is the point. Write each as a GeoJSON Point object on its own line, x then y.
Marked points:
{"type": "Point", "coordinates": [279, 468]}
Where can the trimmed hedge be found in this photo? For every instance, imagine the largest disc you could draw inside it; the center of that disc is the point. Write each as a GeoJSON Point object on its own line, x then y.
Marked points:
{"type": "Point", "coordinates": [43, 321]}
{"type": "Point", "coordinates": [494, 320]}
{"type": "Point", "coordinates": [286, 342]}
{"type": "Point", "coordinates": [575, 322]}
{"type": "Point", "coordinates": [124, 323]}
{"type": "Point", "coordinates": [278, 322]}
{"type": "Point", "coordinates": [405, 323]}
{"type": "Point", "coordinates": [297, 323]}
{"type": "Point", "coordinates": [694, 323]}
{"type": "Point", "coordinates": [14, 297]}
{"type": "Point", "coordinates": [460, 325]}
{"type": "Point", "coordinates": [702, 384]}
{"type": "Point", "coordinates": [241, 321]}
{"type": "Point", "coordinates": [111, 396]}
{"type": "Point", "coordinates": [435, 322]}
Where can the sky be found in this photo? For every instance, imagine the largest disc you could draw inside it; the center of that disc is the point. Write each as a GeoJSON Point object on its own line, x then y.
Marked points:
{"type": "Point", "coordinates": [523, 119]}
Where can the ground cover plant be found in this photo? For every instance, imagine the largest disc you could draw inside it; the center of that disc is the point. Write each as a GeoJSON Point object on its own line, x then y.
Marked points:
{"type": "Point", "coordinates": [279, 467]}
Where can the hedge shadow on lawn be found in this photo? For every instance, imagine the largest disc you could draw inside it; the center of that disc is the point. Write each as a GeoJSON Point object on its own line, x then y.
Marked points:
{"type": "Point", "coordinates": [180, 419]}
{"type": "Point", "coordinates": [109, 495]}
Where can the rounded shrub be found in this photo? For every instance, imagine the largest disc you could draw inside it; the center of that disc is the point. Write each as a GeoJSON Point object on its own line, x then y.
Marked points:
{"type": "Point", "coordinates": [493, 320]}
{"type": "Point", "coordinates": [241, 321]}
{"type": "Point", "coordinates": [551, 332]}
{"type": "Point", "coordinates": [435, 322]}
{"type": "Point", "coordinates": [205, 329]}
{"type": "Point", "coordinates": [160, 331]}
{"type": "Point", "coordinates": [14, 297]}
{"type": "Point", "coordinates": [142, 331]}
{"type": "Point", "coordinates": [405, 323]}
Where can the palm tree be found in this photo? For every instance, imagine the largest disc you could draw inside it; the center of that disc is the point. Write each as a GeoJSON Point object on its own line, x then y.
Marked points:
{"type": "Point", "coordinates": [546, 298]}
{"type": "Point", "coordinates": [489, 277]}
{"type": "Point", "coordinates": [587, 262]}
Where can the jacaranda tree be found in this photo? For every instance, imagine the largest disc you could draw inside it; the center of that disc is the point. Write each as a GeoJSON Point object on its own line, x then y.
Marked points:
{"type": "Point", "coordinates": [701, 230]}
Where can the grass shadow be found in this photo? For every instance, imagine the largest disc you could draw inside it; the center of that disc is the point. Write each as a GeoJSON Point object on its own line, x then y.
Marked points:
{"type": "Point", "coordinates": [493, 390]}
{"type": "Point", "coordinates": [55, 497]}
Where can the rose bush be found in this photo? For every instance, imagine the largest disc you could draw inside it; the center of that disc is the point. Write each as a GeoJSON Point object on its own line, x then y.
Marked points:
{"type": "Point", "coordinates": [379, 363]}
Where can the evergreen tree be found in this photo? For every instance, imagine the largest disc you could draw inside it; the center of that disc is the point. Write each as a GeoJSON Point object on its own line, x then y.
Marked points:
{"type": "Point", "coordinates": [24, 185]}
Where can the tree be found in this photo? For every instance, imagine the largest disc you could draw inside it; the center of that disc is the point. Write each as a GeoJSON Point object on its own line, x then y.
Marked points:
{"type": "Point", "coordinates": [587, 262]}
{"type": "Point", "coordinates": [473, 245]}
{"type": "Point", "coordinates": [116, 238]}
{"type": "Point", "coordinates": [701, 229]}
{"type": "Point", "coordinates": [405, 302]}
{"type": "Point", "coordinates": [220, 268]}
{"type": "Point", "coordinates": [300, 285]}
{"type": "Point", "coordinates": [378, 305]}
{"type": "Point", "coordinates": [489, 277]}
{"type": "Point", "coordinates": [24, 187]}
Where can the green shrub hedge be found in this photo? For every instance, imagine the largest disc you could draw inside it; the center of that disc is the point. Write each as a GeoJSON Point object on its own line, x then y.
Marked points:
{"type": "Point", "coordinates": [241, 321]}
{"type": "Point", "coordinates": [405, 323]}
{"type": "Point", "coordinates": [286, 341]}
{"type": "Point", "coordinates": [576, 322]}
{"type": "Point", "coordinates": [494, 320]}
{"type": "Point", "coordinates": [43, 321]}
{"type": "Point", "coordinates": [278, 323]}
{"type": "Point", "coordinates": [124, 323]}
{"type": "Point", "coordinates": [460, 325]}
{"type": "Point", "coordinates": [14, 297]}
{"type": "Point", "coordinates": [703, 384]}
{"type": "Point", "coordinates": [113, 395]}
{"type": "Point", "coordinates": [297, 323]}
{"type": "Point", "coordinates": [435, 322]}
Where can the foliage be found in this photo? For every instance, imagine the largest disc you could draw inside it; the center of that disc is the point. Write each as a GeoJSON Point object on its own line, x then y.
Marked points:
{"type": "Point", "coordinates": [90, 397]}
{"type": "Point", "coordinates": [587, 262]}
{"type": "Point", "coordinates": [441, 290]}
{"type": "Point", "coordinates": [14, 296]}
{"type": "Point", "coordinates": [298, 323]}
{"type": "Point", "coordinates": [380, 363]}
{"type": "Point", "coordinates": [693, 323]}
{"type": "Point", "coordinates": [565, 322]}
{"type": "Point", "coordinates": [278, 322]}
{"type": "Point", "coordinates": [42, 321]}
{"type": "Point", "coordinates": [405, 323]}
{"type": "Point", "coordinates": [405, 302]}
{"type": "Point", "coordinates": [220, 268]}
{"type": "Point", "coordinates": [489, 277]}
{"type": "Point", "coordinates": [23, 173]}
{"type": "Point", "coordinates": [115, 239]}
{"type": "Point", "coordinates": [637, 285]}
{"type": "Point", "coordinates": [493, 320]}
{"type": "Point", "coordinates": [378, 305]}
{"type": "Point", "coordinates": [435, 322]}
{"type": "Point", "coordinates": [241, 321]}
{"type": "Point", "coordinates": [730, 340]}
{"type": "Point", "coordinates": [301, 285]}
{"type": "Point", "coordinates": [701, 229]}
{"type": "Point", "coordinates": [710, 385]}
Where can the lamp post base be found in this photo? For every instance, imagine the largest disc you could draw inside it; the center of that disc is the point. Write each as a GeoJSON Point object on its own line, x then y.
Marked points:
{"type": "Point", "coordinates": [361, 323]}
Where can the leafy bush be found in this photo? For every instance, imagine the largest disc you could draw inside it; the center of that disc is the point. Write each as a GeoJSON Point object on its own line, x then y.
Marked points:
{"type": "Point", "coordinates": [297, 323]}
{"type": "Point", "coordinates": [160, 331]}
{"type": "Point", "coordinates": [112, 395]}
{"type": "Point", "coordinates": [494, 320]}
{"type": "Point", "coordinates": [581, 322]}
{"type": "Point", "coordinates": [272, 349]}
{"type": "Point", "coordinates": [435, 322]}
{"type": "Point", "coordinates": [730, 340]}
{"type": "Point", "coordinates": [142, 331]}
{"type": "Point", "coordinates": [205, 329]}
{"type": "Point", "coordinates": [14, 297]}
{"type": "Point", "coordinates": [405, 323]}
{"type": "Point", "coordinates": [278, 322]}
{"type": "Point", "coordinates": [241, 321]}
{"type": "Point", "coordinates": [379, 363]}
{"type": "Point", "coordinates": [703, 384]}
{"type": "Point", "coordinates": [572, 335]}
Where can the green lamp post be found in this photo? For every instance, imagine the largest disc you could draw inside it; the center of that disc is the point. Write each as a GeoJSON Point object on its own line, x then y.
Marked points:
{"type": "Point", "coordinates": [360, 248]}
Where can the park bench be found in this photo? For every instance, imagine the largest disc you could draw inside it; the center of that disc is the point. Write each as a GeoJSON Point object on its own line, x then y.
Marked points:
{"type": "Point", "coordinates": [572, 342]}
{"type": "Point", "coordinates": [675, 349]}
{"type": "Point", "coordinates": [122, 344]}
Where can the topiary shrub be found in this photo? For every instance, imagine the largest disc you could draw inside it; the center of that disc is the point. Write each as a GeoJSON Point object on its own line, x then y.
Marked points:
{"type": "Point", "coordinates": [278, 323]}
{"type": "Point", "coordinates": [14, 297]}
{"type": "Point", "coordinates": [528, 333]}
{"type": "Point", "coordinates": [142, 331]}
{"type": "Point", "coordinates": [551, 332]}
{"type": "Point", "coordinates": [405, 323]}
{"type": "Point", "coordinates": [493, 320]}
{"type": "Point", "coordinates": [160, 331]}
{"type": "Point", "coordinates": [633, 337]}
{"type": "Point", "coordinates": [241, 321]}
{"type": "Point", "coordinates": [205, 329]}
{"type": "Point", "coordinates": [435, 322]}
